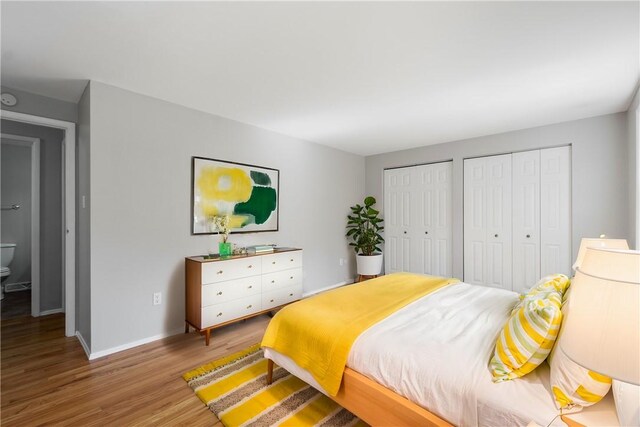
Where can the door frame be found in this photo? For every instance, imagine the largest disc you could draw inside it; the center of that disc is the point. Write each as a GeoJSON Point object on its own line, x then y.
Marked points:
{"type": "Point", "coordinates": [34, 147]}
{"type": "Point", "coordinates": [69, 206]}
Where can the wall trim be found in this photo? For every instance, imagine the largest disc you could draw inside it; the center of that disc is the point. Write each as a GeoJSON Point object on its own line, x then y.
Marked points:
{"type": "Point", "coordinates": [325, 289]}
{"type": "Point", "coordinates": [53, 311]}
{"type": "Point", "coordinates": [84, 345]}
{"type": "Point", "coordinates": [119, 348]}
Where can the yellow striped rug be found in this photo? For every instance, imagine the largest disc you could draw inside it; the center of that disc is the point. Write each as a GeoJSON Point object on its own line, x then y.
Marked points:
{"type": "Point", "coordinates": [235, 389]}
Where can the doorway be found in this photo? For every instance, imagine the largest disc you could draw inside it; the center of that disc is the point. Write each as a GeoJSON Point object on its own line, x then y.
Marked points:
{"type": "Point", "coordinates": [20, 157]}
{"type": "Point", "coordinates": [67, 213]}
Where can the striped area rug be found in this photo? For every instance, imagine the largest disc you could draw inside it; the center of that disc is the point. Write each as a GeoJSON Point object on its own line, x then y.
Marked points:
{"type": "Point", "coordinates": [235, 389]}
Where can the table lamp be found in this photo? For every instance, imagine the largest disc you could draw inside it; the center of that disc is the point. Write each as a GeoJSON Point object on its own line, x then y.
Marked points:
{"type": "Point", "coordinates": [602, 242]}
{"type": "Point", "coordinates": [602, 328]}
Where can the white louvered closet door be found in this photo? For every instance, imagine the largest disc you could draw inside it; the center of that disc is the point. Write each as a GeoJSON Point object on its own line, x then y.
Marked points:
{"type": "Point", "coordinates": [526, 219]}
{"type": "Point", "coordinates": [555, 209]}
{"type": "Point", "coordinates": [432, 234]}
{"type": "Point", "coordinates": [397, 219]}
{"type": "Point", "coordinates": [487, 221]}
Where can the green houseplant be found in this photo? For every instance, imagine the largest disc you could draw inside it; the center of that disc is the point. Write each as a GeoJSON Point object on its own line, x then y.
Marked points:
{"type": "Point", "coordinates": [363, 228]}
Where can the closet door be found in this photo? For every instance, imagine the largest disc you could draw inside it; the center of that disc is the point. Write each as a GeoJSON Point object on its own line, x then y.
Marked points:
{"type": "Point", "coordinates": [432, 235]}
{"type": "Point", "coordinates": [487, 221]}
{"type": "Point", "coordinates": [397, 218]}
{"type": "Point", "coordinates": [475, 221]}
{"type": "Point", "coordinates": [555, 209]}
{"type": "Point", "coordinates": [526, 219]}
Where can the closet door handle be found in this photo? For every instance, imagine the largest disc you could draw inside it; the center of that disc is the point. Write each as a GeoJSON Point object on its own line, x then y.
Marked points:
{"type": "Point", "coordinates": [404, 232]}
{"type": "Point", "coordinates": [528, 236]}
{"type": "Point", "coordinates": [426, 232]}
{"type": "Point", "coordinates": [495, 235]}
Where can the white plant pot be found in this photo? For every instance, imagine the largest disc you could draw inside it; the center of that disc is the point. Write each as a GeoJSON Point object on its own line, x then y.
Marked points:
{"type": "Point", "coordinates": [369, 265]}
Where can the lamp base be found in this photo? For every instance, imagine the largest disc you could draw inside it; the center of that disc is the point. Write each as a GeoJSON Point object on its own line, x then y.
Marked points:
{"type": "Point", "coordinates": [627, 398]}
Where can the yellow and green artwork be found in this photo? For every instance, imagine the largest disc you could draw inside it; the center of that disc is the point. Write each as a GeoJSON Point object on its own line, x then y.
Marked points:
{"type": "Point", "coordinates": [247, 194]}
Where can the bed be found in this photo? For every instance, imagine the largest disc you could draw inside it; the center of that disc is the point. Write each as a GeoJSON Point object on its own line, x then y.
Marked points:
{"type": "Point", "coordinates": [426, 364]}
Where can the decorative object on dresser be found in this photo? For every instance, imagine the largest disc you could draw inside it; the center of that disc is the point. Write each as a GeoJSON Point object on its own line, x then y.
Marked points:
{"type": "Point", "coordinates": [364, 227]}
{"type": "Point", "coordinates": [221, 225]}
{"type": "Point", "coordinates": [248, 194]}
{"type": "Point", "coordinates": [220, 291]}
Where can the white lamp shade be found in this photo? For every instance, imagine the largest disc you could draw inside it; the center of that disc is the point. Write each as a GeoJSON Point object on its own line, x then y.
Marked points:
{"type": "Point", "coordinates": [589, 242]}
{"type": "Point", "coordinates": [602, 327]}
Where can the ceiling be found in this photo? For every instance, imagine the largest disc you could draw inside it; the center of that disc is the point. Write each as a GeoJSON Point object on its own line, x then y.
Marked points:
{"type": "Point", "coordinates": [364, 77]}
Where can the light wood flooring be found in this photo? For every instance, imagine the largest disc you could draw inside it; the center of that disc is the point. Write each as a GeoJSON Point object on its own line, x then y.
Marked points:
{"type": "Point", "coordinates": [47, 379]}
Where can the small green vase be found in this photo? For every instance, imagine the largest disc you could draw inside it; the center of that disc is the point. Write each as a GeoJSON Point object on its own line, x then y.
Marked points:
{"type": "Point", "coordinates": [224, 249]}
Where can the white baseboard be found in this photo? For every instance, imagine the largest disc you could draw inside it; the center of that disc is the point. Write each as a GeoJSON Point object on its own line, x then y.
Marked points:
{"type": "Point", "coordinates": [84, 345]}
{"type": "Point", "coordinates": [54, 311]}
{"type": "Point", "coordinates": [328, 288]}
{"type": "Point", "coordinates": [103, 353]}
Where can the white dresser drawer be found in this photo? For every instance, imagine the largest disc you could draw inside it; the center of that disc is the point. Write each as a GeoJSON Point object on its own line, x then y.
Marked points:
{"type": "Point", "coordinates": [220, 313]}
{"type": "Point", "coordinates": [220, 271]}
{"type": "Point", "coordinates": [216, 293]}
{"type": "Point", "coordinates": [281, 279]}
{"type": "Point", "coordinates": [281, 296]}
{"type": "Point", "coordinates": [282, 261]}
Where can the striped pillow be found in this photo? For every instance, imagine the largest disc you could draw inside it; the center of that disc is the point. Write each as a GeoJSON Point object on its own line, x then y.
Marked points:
{"type": "Point", "coordinates": [573, 385]}
{"type": "Point", "coordinates": [545, 287]}
{"type": "Point", "coordinates": [527, 338]}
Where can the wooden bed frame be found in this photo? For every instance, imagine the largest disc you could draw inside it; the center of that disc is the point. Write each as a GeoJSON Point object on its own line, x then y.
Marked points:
{"type": "Point", "coordinates": [375, 404]}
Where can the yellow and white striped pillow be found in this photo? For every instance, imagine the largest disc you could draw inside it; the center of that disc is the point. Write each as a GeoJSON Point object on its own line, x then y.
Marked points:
{"type": "Point", "coordinates": [574, 385]}
{"type": "Point", "coordinates": [527, 338]}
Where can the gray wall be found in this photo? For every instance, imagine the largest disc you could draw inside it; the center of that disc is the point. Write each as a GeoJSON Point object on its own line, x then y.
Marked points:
{"type": "Point", "coordinates": [16, 224]}
{"type": "Point", "coordinates": [140, 178]}
{"type": "Point", "coordinates": [634, 173]}
{"type": "Point", "coordinates": [50, 209]}
{"type": "Point", "coordinates": [38, 105]}
{"type": "Point", "coordinates": [83, 235]}
{"type": "Point", "coordinates": [599, 172]}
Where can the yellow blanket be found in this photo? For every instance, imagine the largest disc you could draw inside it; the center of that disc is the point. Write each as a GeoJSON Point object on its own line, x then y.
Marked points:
{"type": "Point", "coordinates": [318, 332]}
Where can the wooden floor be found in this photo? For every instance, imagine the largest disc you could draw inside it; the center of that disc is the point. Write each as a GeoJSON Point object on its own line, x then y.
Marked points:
{"type": "Point", "coordinates": [47, 379]}
{"type": "Point", "coordinates": [16, 304]}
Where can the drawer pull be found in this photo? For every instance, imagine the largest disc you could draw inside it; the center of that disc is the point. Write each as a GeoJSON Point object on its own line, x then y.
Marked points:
{"type": "Point", "coordinates": [273, 262]}
{"type": "Point", "coordinates": [273, 281]}
{"type": "Point", "coordinates": [291, 277]}
{"type": "Point", "coordinates": [219, 314]}
{"type": "Point", "coordinates": [219, 272]}
{"type": "Point", "coordinates": [219, 293]}
{"type": "Point", "coordinates": [250, 266]}
{"type": "Point", "coordinates": [271, 301]}
{"type": "Point", "coordinates": [250, 286]}
{"type": "Point", "coordinates": [291, 260]}
{"type": "Point", "coordinates": [290, 295]}
{"type": "Point", "coordinates": [249, 306]}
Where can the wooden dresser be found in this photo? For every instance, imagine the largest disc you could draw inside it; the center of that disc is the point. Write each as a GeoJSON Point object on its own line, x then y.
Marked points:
{"type": "Point", "coordinates": [220, 291]}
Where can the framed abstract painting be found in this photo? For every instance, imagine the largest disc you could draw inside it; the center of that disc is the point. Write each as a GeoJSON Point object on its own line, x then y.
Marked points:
{"type": "Point", "coordinates": [246, 194]}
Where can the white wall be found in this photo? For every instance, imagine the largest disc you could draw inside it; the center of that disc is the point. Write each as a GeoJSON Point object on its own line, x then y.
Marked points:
{"type": "Point", "coordinates": [633, 131]}
{"type": "Point", "coordinates": [83, 234]}
{"type": "Point", "coordinates": [599, 172]}
{"type": "Point", "coordinates": [16, 224]}
{"type": "Point", "coordinates": [140, 178]}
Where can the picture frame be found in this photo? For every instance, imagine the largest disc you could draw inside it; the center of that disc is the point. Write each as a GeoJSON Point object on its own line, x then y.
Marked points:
{"type": "Point", "coordinates": [248, 194]}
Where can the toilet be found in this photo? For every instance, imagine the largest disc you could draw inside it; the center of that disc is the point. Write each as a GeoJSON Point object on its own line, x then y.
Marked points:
{"type": "Point", "coordinates": [6, 256]}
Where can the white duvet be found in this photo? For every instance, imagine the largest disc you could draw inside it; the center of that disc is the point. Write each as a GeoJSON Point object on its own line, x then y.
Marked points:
{"type": "Point", "coordinates": [436, 352]}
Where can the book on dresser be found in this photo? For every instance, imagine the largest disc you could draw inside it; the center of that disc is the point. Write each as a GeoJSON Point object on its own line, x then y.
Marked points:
{"type": "Point", "coordinates": [220, 291]}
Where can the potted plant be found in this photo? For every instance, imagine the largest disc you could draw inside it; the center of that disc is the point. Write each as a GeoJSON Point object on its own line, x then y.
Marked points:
{"type": "Point", "coordinates": [363, 227]}
{"type": "Point", "coordinates": [221, 224]}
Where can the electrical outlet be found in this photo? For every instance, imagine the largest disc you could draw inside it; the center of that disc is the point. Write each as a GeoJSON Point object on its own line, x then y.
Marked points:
{"type": "Point", "coordinates": [341, 261]}
{"type": "Point", "coordinates": [157, 298]}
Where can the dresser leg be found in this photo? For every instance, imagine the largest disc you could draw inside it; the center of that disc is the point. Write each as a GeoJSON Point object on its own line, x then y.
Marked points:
{"type": "Point", "coordinates": [269, 371]}
{"type": "Point", "coordinates": [207, 335]}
